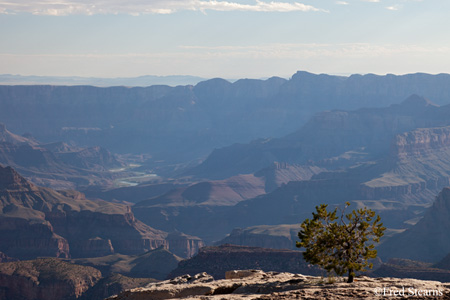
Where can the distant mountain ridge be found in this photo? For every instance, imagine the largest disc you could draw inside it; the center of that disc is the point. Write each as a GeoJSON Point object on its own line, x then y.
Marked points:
{"type": "Point", "coordinates": [147, 80]}
{"type": "Point", "coordinates": [187, 122]}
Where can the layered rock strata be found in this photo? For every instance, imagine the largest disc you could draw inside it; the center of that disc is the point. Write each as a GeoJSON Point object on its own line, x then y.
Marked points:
{"type": "Point", "coordinates": [47, 279]}
{"type": "Point", "coordinates": [37, 221]}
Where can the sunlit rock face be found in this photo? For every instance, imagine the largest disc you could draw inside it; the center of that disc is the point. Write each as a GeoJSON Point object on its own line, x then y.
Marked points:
{"type": "Point", "coordinates": [256, 284]}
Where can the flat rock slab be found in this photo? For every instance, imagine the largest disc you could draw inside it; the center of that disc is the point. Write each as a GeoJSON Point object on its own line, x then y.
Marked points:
{"type": "Point", "coordinates": [251, 284]}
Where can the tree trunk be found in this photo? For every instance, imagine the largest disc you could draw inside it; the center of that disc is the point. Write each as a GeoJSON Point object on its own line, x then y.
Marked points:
{"type": "Point", "coordinates": [351, 275]}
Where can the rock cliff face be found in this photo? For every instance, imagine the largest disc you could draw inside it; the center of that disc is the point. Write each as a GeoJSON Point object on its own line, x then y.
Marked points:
{"type": "Point", "coordinates": [54, 279]}
{"type": "Point", "coordinates": [37, 221]}
{"type": "Point", "coordinates": [184, 245]}
{"type": "Point", "coordinates": [264, 236]}
{"type": "Point", "coordinates": [428, 240]}
{"type": "Point", "coordinates": [45, 279]}
{"type": "Point", "coordinates": [157, 264]}
{"type": "Point", "coordinates": [26, 239]}
{"type": "Point", "coordinates": [280, 173]}
{"type": "Point", "coordinates": [421, 142]}
{"type": "Point", "coordinates": [93, 233]}
{"type": "Point", "coordinates": [418, 167]}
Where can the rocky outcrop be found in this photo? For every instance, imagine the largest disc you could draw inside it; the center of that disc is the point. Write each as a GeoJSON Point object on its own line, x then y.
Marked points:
{"type": "Point", "coordinates": [157, 264]}
{"type": "Point", "coordinates": [54, 279]}
{"type": "Point", "coordinates": [93, 233]}
{"type": "Point", "coordinates": [6, 258]}
{"type": "Point", "coordinates": [264, 236]}
{"type": "Point", "coordinates": [11, 181]}
{"type": "Point", "coordinates": [421, 142]}
{"type": "Point", "coordinates": [280, 173]}
{"type": "Point", "coordinates": [45, 279]}
{"type": "Point", "coordinates": [217, 260]}
{"type": "Point", "coordinates": [184, 245]}
{"type": "Point", "coordinates": [27, 239]}
{"type": "Point", "coordinates": [423, 273]}
{"type": "Point", "coordinates": [92, 158]}
{"type": "Point", "coordinates": [252, 285]}
{"type": "Point", "coordinates": [8, 137]}
{"type": "Point", "coordinates": [93, 247]}
{"type": "Point", "coordinates": [428, 240]}
{"type": "Point", "coordinates": [113, 285]}
{"type": "Point", "coordinates": [37, 221]}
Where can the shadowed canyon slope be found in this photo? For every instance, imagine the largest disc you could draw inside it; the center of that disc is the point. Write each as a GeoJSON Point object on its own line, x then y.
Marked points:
{"type": "Point", "coordinates": [54, 279]}
{"type": "Point", "coordinates": [45, 279]}
{"type": "Point", "coordinates": [157, 264]}
{"type": "Point", "coordinates": [428, 240]}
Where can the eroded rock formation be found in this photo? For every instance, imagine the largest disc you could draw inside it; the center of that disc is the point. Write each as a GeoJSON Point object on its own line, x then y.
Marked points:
{"type": "Point", "coordinates": [45, 279]}
{"type": "Point", "coordinates": [37, 221]}
{"type": "Point", "coordinates": [252, 285]}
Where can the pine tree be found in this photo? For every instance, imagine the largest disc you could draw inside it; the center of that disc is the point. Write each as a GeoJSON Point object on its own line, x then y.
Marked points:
{"type": "Point", "coordinates": [341, 244]}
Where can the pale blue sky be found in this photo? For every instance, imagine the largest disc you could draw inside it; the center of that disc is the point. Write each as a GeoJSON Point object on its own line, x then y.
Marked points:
{"type": "Point", "coordinates": [231, 39]}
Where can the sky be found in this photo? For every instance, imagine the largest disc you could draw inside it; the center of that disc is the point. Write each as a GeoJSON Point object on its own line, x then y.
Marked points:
{"type": "Point", "coordinates": [228, 39]}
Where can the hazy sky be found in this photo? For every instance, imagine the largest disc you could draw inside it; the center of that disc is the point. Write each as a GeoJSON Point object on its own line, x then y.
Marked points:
{"type": "Point", "coordinates": [232, 39]}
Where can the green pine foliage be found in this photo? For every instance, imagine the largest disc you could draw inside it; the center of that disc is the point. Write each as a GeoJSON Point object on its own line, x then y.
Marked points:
{"type": "Point", "coordinates": [343, 243]}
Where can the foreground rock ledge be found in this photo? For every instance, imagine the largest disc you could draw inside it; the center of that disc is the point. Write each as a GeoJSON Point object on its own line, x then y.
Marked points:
{"type": "Point", "coordinates": [253, 284]}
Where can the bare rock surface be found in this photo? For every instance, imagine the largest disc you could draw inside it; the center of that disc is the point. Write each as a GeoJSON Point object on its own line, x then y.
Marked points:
{"type": "Point", "coordinates": [256, 284]}
{"type": "Point", "coordinates": [45, 279]}
{"type": "Point", "coordinates": [216, 261]}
